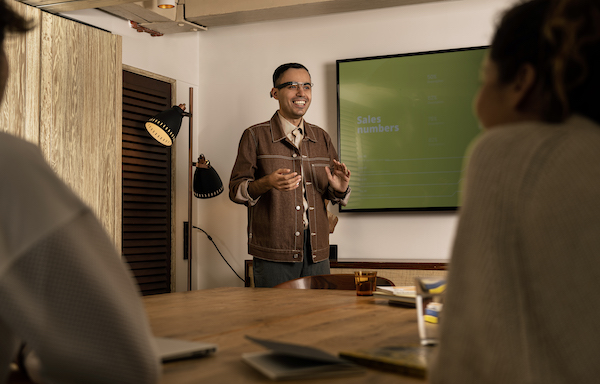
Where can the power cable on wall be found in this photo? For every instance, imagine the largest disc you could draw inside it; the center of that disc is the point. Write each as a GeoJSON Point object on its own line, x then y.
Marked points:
{"type": "Point", "coordinates": [217, 248]}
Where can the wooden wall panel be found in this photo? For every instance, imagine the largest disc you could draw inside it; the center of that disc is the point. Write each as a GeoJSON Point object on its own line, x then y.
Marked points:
{"type": "Point", "coordinates": [65, 95]}
{"type": "Point", "coordinates": [19, 114]}
{"type": "Point", "coordinates": [80, 108]}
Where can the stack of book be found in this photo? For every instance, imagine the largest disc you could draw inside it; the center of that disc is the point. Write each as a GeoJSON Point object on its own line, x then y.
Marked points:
{"type": "Point", "coordinates": [405, 295]}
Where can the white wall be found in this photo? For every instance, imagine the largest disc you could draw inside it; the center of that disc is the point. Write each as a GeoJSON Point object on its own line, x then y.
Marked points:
{"type": "Point", "coordinates": [232, 68]}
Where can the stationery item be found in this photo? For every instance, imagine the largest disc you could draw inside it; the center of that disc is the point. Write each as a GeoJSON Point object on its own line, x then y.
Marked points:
{"type": "Point", "coordinates": [174, 349]}
{"type": "Point", "coordinates": [406, 290]}
{"type": "Point", "coordinates": [292, 361]}
{"type": "Point", "coordinates": [365, 282]}
{"type": "Point", "coordinates": [407, 360]}
{"type": "Point", "coordinates": [403, 295]}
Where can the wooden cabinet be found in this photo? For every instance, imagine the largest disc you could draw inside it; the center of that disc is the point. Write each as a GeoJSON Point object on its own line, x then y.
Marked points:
{"type": "Point", "coordinates": [64, 94]}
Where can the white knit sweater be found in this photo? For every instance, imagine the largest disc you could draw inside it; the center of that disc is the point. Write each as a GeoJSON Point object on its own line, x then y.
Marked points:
{"type": "Point", "coordinates": [63, 290]}
{"type": "Point", "coordinates": [522, 304]}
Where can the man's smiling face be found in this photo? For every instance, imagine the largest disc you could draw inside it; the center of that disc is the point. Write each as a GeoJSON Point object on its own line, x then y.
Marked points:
{"type": "Point", "coordinates": [293, 103]}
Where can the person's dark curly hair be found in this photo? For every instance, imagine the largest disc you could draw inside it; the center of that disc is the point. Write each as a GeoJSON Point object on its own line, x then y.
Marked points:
{"type": "Point", "coordinates": [561, 40]}
{"type": "Point", "coordinates": [11, 21]}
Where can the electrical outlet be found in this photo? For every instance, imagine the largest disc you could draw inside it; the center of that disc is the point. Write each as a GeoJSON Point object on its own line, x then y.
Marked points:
{"type": "Point", "coordinates": [333, 252]}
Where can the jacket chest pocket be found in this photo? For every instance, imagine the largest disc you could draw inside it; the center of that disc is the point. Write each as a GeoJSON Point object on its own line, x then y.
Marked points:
{"type": "Point", "coordinates": [268, 164]}
{"type": "Point", "coordinates": [319, 176]}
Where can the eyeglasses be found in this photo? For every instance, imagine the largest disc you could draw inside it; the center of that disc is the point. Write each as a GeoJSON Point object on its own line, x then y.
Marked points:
{"type": "Point", "coordinates": [294, 86]}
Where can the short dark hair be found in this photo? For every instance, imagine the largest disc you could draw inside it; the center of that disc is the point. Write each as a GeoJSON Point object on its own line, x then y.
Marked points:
{"type": "Point", "coordinates": [284, 67]}
{"type": "Point", "coordinates": [561, 40]}
{"type": "Point", "coordinates": [11, 21]}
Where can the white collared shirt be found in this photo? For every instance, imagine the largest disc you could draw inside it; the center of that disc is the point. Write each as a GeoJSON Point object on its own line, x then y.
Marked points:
{"type": "Point", "coordinates": [289, 129]}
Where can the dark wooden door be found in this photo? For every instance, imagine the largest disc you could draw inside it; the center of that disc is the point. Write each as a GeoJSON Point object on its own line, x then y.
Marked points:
{"type": "Point", "coordinates": [146, 185]}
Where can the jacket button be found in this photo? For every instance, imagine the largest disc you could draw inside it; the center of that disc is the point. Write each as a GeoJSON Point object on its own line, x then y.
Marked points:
{"type": "Point", "coordinates": [297, 207]}
{"type": "Point", "coordinates": [294, 155]}
{"type": "Point", "coordinates": [295, 256]}
{"type": "Point", "coordinates": [297, 233]}
{"type": "Point", "coordinates": [314, 256]}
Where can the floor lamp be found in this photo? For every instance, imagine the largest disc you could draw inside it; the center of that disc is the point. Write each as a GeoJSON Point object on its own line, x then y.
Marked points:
{"type": "Point", "coordinates": [206, 183]}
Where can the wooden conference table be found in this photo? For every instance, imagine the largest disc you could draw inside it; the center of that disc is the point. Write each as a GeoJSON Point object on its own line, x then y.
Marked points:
{"type": "Point", "coordinates": [332, 320]}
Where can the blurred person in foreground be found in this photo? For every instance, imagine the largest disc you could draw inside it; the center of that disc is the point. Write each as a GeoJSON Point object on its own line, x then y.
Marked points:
{"type": "Point", "coordinates": [64, 293]}
{"type": "Point", "coordinates": [522, 304]}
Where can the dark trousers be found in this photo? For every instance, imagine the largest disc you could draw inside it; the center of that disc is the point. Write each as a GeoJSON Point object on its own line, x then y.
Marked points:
{"type": "Point", "coordinates": [268, 274]}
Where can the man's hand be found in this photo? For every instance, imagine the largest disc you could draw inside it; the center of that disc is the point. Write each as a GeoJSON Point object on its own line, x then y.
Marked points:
{"type": "Point", "coordinates": [338, 177]}
{"type": "Point", "coordinates": [282, 180]}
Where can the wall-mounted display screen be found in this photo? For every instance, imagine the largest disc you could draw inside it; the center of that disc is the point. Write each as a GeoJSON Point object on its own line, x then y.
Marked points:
{"type": "Point", "coordinates": [404, 123]}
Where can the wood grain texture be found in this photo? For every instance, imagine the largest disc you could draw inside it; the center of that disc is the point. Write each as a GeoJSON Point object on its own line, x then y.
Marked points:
{"type": "Point", "coordinates": [19, 113]}
{"type": "Point", "coordinates": [332, 320]}
{"type": "Point", "coordinates": [80, 108]}
{"type": "Point", "coordinates": [117, 69]}
{"type": "Point", "coordinates": [64, 94]}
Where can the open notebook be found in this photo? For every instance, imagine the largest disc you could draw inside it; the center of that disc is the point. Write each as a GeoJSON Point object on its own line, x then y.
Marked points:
{"type": "Point", "coordinates": [174, 349]}
{"type": "Point", "coordinates": [294, 361]}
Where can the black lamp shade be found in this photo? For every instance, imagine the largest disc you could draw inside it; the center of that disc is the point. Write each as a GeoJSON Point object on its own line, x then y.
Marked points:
{"type": "Point", "coordinates": [207, 183]}
{"type": "Point", "coordinates": [165, 126]}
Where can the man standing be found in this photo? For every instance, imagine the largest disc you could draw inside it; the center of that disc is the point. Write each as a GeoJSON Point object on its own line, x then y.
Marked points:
{"type": "Point", "coordinates": [285, 170]}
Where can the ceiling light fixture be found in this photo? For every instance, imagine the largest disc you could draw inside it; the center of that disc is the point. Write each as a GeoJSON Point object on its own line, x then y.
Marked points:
{"type": "Point", "coordinates": [166, 4]}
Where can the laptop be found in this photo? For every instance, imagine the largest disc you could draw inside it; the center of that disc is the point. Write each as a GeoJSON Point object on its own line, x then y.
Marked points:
{"type": "Point", "coordinates": [174, 349]}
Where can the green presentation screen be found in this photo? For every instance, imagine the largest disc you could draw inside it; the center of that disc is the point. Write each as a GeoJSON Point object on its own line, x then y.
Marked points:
{"type": "Point", "coordinates": [404, 123]}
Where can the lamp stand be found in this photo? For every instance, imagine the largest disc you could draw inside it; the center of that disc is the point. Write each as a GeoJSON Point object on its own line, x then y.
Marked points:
{"type": "Point", "coordinates": [164, 127]}
{"type": "Point", "coordinates": [190, 183]}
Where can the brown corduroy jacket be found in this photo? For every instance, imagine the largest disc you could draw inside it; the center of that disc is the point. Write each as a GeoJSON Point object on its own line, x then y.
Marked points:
{"type": "Point", "coordinates": [275, 228]}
